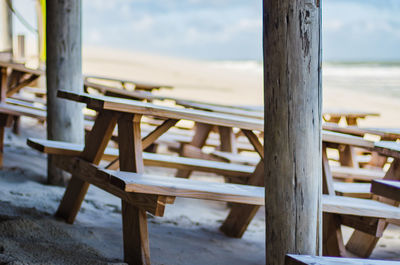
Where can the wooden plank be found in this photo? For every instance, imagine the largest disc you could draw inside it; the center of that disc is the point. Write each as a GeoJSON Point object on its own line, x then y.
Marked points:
{"type": "Point", "coordinates": [332, 236]}
{"type": "Point", "coordinates": [122, 93]}
{"type": "Point", "coordinates": [140, 84]}
{"type": "Point", "coordinates": [134, 220]}
{"type": "Point", "coordinates": [149, 184]}
{"type": "Point", "coordinates": [358, 190]}
{"type": "Point", "coordinates": [160, 130]}
{"type": "Point", "coordinates": [4, 82]}
{"type": "Point", "coordinates": [150, 159]}
{"type": "Point", "coordinates": [317, 260]}
{"type": "Point", "coordinates": [386, 188]}
{"type": "Point", "coordinates": [240, 215]}
{"type": "Point", "coordinates": [362, 244]}
{"type": "Point", "coordinates": [21, 68]}
{"type": "Point", "coordinates": [360, 207]}
{"type": "Point", "coordinates": [95, 145]}
{"type": "Point", "coordinates": [131, 106]}
{"type": "Point", "coordinates": [388, 148]}
{"type": "Point", "coordinates": [339, 138]}
{"type": "Point", "coordinates": [22, 83]}
{"type": "Point", "coordinates": [253, 139]}
{"type": "Point", "coordinates": [22, 111]}
{"type": "Point", "coordinates": [227, 139]}
{"type": "Point", "coordinates": [199, 139]}
{"type": "Point", "coordinates": [220, 108]}
{"type": "Point", "coordinates": [88, 172]}
{"type": "Point", "coordinates": [356, 173]}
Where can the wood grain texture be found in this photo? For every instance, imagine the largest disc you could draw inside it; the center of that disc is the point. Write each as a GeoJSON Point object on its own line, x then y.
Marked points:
{"type": "Point", "coordinates": [386, 188]}
{"type": "Point", "coordinates": [150, 184]}
{"type": "Point", "coordinates": [134, 219]}
{"type": "Point", "coordinates": [240, 215]}
{"type": "Point", "coordinates": [317, 260]}
{"type": "Point", "coordinates": [131, 106]}
{"type": "Point", "coordinates": [202, 132]}
{"type": "Point", "coordinates": [362, 244]}
{"type": "Point", "coordinates": [150, 159]}
{"type": "Point", "coordinates": [156, 133]}
{"type": "Point", "coordinates": [93, 151]}
{"type": "Point", "coordinates": [63, 71]}
{"type": "Point", "coordinates": [292, 128]}
{"type": "Point", "coordinates": [88, 172]}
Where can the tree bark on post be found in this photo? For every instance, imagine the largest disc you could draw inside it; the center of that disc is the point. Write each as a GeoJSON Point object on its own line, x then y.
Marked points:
{"type": "Point", "coordinates": [63, 71]}
{"type": "Point", "coordinates": [6, 41]}
{"type": "Point", "coordinates": [292, 91]}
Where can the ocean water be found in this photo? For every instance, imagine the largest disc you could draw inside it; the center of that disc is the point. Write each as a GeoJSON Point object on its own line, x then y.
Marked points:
{"type": "Point", "coordinates": [380, 78]}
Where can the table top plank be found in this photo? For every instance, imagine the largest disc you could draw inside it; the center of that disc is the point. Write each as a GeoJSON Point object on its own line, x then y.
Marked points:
{"type": "Point", "coordinates": [317, 260]}
{"type": "Point", "coordinates": [139, 84]}
{"type": "Point", "coordinates": [386, 188]}
{"type": "Point", "coordinates": [21, 68]}
{"type": "Point", "coordinates": [132, 106]}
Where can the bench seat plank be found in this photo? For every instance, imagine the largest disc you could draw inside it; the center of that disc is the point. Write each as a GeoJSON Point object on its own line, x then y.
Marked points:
{"type": "Point", "coordinates": [359, 190]}
{"type": "Point", "coordinates": [359, 207]}
{"type": "Point", "coordinates": [188, 188]}
{"type": "Point", "coordinates": [356, 173]}
{"type": "Point", "coordinates": [150, 159]}
{"type": "Point", "coordinates": [386, 188]}
{"type": "Point", "coordinates": [316, 260]}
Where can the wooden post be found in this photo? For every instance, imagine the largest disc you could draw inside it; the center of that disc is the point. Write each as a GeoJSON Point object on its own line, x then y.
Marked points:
{"type": "Point", "coordinates": [6, 41]}
{"type": "Point", "coordinates": [63, 71]}
{"type": "Point", "coordinates": [292, 89]}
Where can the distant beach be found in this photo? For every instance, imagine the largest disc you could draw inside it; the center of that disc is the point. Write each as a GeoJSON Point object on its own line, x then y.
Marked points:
{"type": "Point", "coordinates": [358, 86]}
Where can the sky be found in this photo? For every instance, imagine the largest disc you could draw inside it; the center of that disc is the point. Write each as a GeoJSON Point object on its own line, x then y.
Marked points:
{"type": "Point", "coordinates": [353, 30]}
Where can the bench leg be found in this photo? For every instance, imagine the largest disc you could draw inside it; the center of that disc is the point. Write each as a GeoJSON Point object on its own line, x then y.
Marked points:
{"type": "Point", "coordinates": [240, 215]}
{"type": "Point", "coordinates": [5, 121]}
{"type": "Point", "coordinates": [95, 145]}
{"type": "Point", "coordinates": [332, 236]}
{"type": "Point", "coordinates": [199, 140]}
{"type": "Point", "coordinates": [360, 243]}
{"type": "Point", "coordinates": [1, 144]}
{"type": "Point", "coordinates": [135, 234]}
{"type": "Point", "coordinates": [16, 125]}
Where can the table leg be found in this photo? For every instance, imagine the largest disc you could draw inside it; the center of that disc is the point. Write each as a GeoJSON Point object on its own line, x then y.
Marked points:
{"type": "Point", "coordinates": [134, 220]}
{"type": "Point", "coordinates": [96, 143]}
{"type": "Point", "coordinates": [199, 140]}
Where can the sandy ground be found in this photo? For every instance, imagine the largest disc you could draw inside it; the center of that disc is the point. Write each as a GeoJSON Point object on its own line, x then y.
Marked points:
{"type": "Point", "coordinates": [188, 233]}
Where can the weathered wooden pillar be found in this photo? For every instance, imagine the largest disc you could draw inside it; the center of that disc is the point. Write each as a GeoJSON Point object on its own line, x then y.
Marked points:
{"type": "Point", "coordinates": [64, 71]}
{"type": "Point", "coordinates": [6, 41]}
{"type": "Point", "coordinates": [292, 128]}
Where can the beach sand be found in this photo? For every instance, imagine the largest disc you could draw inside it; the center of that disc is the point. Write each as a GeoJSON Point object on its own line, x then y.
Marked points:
{"type": "Point", "coordinates": [188, 233]}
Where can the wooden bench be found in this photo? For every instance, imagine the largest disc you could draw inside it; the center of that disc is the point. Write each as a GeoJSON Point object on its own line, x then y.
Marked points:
{"type": "Point", "coordinates": [317, 260]}
{"type": "Point", "coordinates": [134, 188]}
{"type": "Point", "coordinates": [125, 184]}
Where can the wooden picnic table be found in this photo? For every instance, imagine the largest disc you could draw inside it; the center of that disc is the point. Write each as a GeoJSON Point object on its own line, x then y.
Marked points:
{"type": "Point", "coordinates": [128, 113]}
{"type": "Point", "coordinates": [14, 77]}
{"type": "Point", "coordinates": [138, 85]}
{"type": "Point", "coordinates": [244, 111]}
